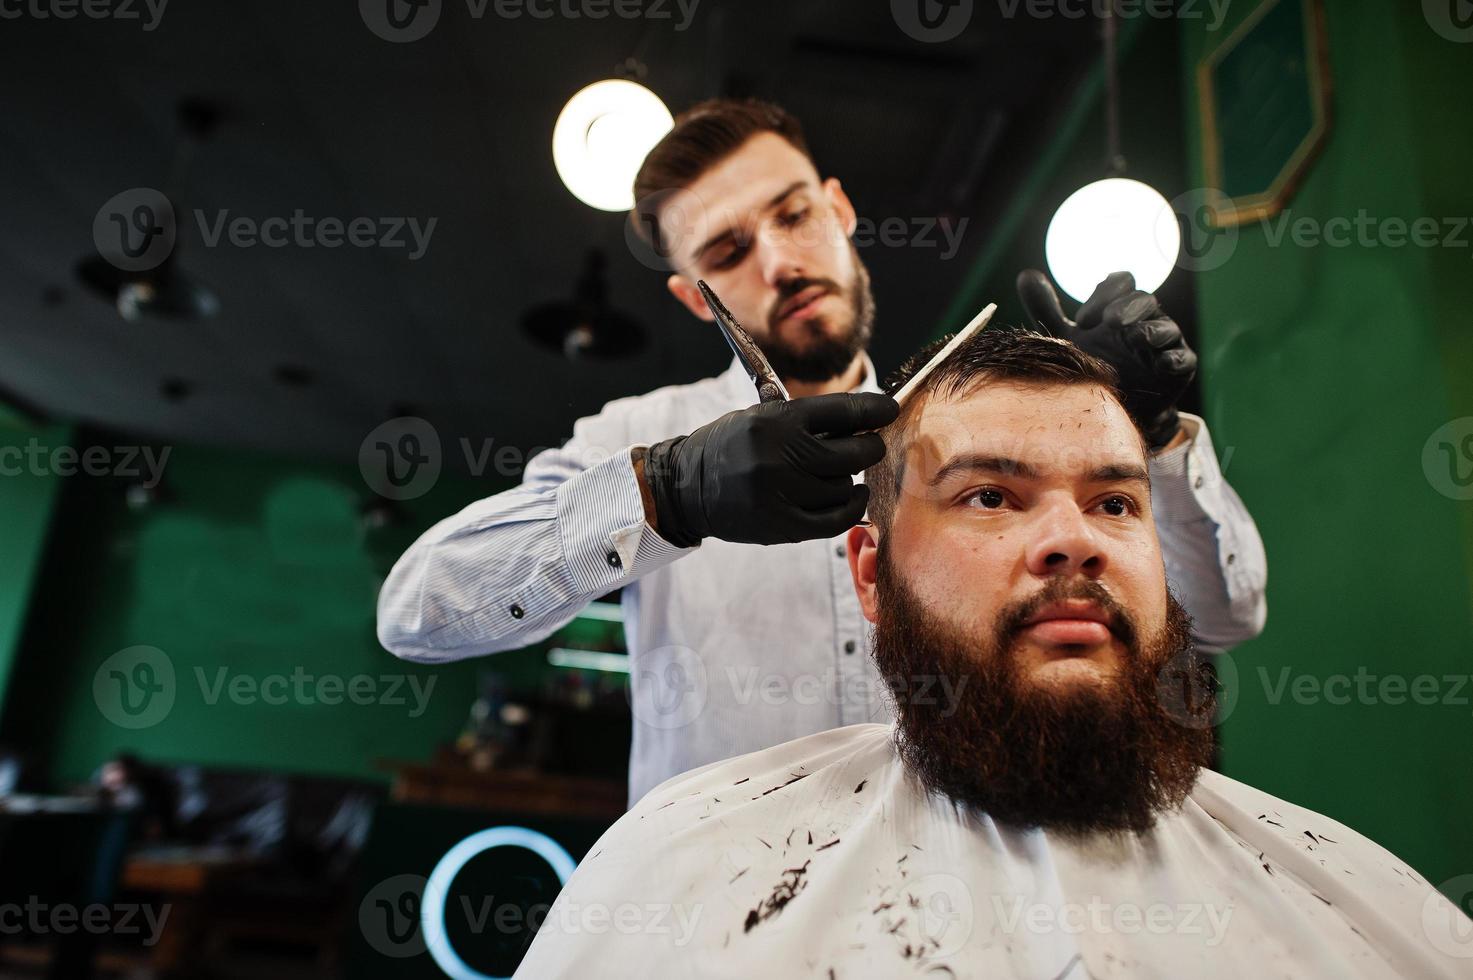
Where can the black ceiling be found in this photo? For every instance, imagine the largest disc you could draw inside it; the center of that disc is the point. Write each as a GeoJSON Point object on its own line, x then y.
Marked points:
{"type": "Point", "coordinates": [313, 347]}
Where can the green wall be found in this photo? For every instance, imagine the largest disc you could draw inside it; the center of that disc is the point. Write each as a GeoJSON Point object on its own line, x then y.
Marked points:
{"type": "Point", "coordinates": [1325, 371]}
{"type": "Point", "coordinates": [254, 565]}
{"type": "Point", "coordinates": [27, 497]}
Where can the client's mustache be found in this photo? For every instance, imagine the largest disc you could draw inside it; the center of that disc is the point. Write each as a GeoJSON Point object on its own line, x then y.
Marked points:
{"type": "Point", "coordinates": [1014, 618]}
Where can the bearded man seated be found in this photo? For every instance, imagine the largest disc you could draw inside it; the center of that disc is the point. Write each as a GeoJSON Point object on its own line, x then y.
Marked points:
{"type": "Point", "coordinates": [1041, 808]}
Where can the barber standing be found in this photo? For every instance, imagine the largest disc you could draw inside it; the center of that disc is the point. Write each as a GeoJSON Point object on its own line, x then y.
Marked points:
{"type": "Point", "coordinates": [668, 495]}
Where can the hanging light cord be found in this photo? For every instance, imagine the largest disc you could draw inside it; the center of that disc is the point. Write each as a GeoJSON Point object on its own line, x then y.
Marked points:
{"type": "Point", "coordinates": [1114, 158]}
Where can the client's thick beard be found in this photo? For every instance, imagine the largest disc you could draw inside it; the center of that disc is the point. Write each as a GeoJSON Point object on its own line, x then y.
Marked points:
{"type": "Point", "coordinates": [823, 356]}
{"type": "Point", "coordinates": [1084, 758]}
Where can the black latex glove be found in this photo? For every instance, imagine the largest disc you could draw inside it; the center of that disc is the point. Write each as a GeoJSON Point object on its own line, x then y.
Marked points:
{"type": "Point", "coordinates": [1127, 328]}
{"type": "Point", "coordinates": [761, 475]}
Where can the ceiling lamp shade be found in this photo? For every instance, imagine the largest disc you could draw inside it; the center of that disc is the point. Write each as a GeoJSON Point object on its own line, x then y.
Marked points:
{"type": "Point", "coordinates": [588, 326]}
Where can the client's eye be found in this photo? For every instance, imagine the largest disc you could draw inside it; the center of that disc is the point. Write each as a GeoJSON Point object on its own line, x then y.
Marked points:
{"type": "Point", "coordinates": [1118, 506]}
{"type": "Point", "coordinates": [989, 498]}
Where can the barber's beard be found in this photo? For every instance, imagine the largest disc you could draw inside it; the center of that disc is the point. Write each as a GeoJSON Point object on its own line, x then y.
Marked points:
{"type": "Point", "coordinates": [815, 354]}
{"type": "Point", "coordinates": [1077, 758]}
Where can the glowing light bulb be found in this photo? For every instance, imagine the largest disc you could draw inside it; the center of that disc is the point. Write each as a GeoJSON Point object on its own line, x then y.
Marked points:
{"type": "Point", "coordinates": [602, 136]}
{"type": "Point", "coordinates": [1112, 225]}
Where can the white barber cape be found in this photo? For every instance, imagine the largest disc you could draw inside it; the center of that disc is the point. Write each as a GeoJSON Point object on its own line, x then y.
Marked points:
{"type": "Point", "coordinates": [823, 858]}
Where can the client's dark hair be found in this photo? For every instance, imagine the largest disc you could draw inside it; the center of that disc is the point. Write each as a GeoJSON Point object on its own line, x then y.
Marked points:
{"type": "Point", "coordinates": [1013, 354]}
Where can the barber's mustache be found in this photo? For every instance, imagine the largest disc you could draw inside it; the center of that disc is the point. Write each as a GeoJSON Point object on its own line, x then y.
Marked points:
{"type": "Point", "coordinates": [1014, 618]}
{"type": "Point", "coordinates": [792, 288]}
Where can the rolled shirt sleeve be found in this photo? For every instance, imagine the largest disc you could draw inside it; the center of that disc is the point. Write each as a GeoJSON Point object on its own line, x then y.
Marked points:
{"type": "Point", "coordinates": [510, 570]}
{"type": "Point", "coordinates": [1214, 556]}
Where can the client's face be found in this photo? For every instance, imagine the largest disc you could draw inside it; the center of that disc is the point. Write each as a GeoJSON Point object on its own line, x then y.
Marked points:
{"type": "Point", "coordinates": [1021, 564]}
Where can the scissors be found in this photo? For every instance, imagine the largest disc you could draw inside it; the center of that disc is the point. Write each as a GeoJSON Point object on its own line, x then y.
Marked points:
{"type": "Point", "coordinates": [769, 386]}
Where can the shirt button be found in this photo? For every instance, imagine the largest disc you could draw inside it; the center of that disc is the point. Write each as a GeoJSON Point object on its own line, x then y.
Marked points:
{"type": "Point", "coordinates": [839, 551]}
{"type": "Point", "coordinates": [1232, 558]}
{"type": "Point", "coordinates": [1198, 484]}
{"type": "Point", "coordinates": [517, 612]}
{"type": "Point", "coordinates": [615, 561]}
{"type": "Point", "coordinates": [848, 646]}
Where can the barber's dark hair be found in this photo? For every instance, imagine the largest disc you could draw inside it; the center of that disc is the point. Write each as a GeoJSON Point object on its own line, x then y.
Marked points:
{"type": "Point", "coordinates": [1015, 354]}
{"type": "Point", "coordinates": [703, 136]}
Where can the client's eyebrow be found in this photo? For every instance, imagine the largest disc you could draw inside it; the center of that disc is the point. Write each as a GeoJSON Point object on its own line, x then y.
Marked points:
{"type": "Point", "coordinates": [1007, 466]}
{"type": "Point", "coordinates": [980, 463]}
{"type": "Point", "coordinates": [1120, 473]}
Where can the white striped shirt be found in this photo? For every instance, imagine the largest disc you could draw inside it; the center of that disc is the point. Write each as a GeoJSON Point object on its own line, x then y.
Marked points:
{"type": "Point", "coordinates": [732, 647]}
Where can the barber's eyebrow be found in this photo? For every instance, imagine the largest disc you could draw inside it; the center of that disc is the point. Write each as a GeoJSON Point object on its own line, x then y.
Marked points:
{"type": "Point", "coordinates": [1007, 466]}
{"type": "Point", "coordinates": [726, 233]}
